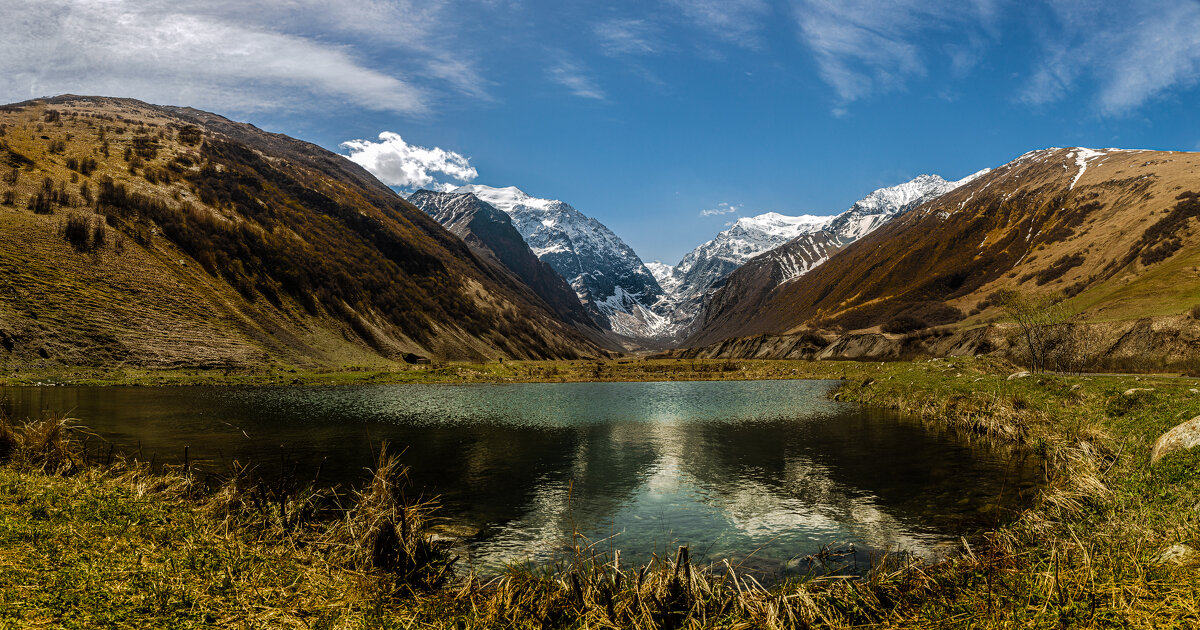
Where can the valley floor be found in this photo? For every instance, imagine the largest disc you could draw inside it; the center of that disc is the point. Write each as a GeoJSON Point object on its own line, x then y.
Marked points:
{"type": "Point", "coordinates": [633, 369]}
{"type": "Point", "coordinates": [85, 546]}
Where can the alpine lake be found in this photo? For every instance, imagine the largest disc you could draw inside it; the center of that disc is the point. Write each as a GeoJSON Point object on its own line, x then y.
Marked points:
{"type": "Point", "coordinates": [771, 476]}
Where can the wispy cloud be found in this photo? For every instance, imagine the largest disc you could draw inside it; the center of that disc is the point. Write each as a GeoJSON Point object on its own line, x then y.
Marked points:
{"type": "Point", "coordinates": [243, 56]}
{"type": "Point", "coordinates": [722, 208]}
{"type": "Point", "coordinates": [735, 21]}
{"type": "Point", "coordinates": [403, 165]}
{"type": "Point", "coordinates": [865, 47]}
{"type": "Point", "coordinates": [626, 37]}
{"type": "Point", "coordinates": [573, 76]}
{"type": "Point", "coordinates": [1134, 51]}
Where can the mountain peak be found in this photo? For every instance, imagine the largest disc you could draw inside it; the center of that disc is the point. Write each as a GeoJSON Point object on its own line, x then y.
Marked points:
{"type": "Point", "coordinates": [608, 277]}
{"type": "Point", "coordinates": [774, 222]}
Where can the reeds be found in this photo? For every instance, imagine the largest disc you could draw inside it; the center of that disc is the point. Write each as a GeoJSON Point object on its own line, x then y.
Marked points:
{"type": "Point", "coordinates": [42, 445]}
{"type": "Point", "coordinates": [386, 531]}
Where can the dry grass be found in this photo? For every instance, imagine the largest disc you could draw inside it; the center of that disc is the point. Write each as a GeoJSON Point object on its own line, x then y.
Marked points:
{"type": "Point", "coordinates": [44, 445]}
{"type": "Point", "coordinates": [385, 530]}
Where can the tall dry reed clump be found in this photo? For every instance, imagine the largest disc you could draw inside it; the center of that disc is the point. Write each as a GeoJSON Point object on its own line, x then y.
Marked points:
{"type": "Point", "coordinates": [666, 594]}
{"type": "Point", "coordinates": [386, 531]}
{"type": "Point", "coordinates": [44, 445]}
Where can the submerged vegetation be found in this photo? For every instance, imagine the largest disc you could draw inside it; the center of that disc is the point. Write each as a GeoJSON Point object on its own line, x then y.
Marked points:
{"type": "Point", "coordinates": [1108, 543]}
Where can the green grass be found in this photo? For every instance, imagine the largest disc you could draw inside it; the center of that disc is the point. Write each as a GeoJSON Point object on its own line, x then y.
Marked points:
{"type": "Point", "coordinates": [460, 372]}
{"type": "Point", "coordinates": [127, 549]}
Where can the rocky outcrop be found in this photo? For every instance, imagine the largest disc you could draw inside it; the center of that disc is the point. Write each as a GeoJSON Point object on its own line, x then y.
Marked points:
{"type": "Point", "coordinates": [868, 346]}
{"type": "Point", "coordinates": [1163, 344]}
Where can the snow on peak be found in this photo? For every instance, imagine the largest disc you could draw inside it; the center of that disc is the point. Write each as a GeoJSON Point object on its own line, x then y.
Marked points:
{"type": "Point", "coordinates": [660, 270]}
{"type": "Point", "coordinates": [507, 198]}
{"type": "Point", "coordinates": [969, 178]}
{"type": "Point", "coordinates": [609, 278]}
{"type": "Point", "coordinates": [775, 223]}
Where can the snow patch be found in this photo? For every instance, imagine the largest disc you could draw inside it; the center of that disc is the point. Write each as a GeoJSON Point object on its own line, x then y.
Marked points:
{"type": "Point", "coordinates": [1081, 160]}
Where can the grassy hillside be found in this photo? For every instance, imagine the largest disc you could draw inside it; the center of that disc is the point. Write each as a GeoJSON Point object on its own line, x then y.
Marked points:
{"type": "Point", "coordinates": [1118, 238]}
{"type": "Point", "coordinates": [146, 235]}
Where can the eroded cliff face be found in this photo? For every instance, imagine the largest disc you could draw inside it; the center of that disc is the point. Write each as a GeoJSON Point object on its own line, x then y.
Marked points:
{"type": "Point", "coordinates": [1166, 343]}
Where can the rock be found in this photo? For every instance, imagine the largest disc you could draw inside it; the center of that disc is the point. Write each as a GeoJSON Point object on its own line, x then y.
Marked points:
{"type": "Point", "coordinates": [1177, 554]}
{"type": "Point", "coordinates": [1076, 387]}
{"type": "Point", "coordinates": [1131, 392]}
{"type": "Point", "coordinates": [1016, 375]}
{"type": "Point", "coordinates": [1194, 390]}
{"type": "Point", "coordinates": [1183, 437]}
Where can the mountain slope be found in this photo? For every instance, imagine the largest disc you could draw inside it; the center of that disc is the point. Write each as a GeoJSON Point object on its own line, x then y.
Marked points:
{"type": "Point", "coordinates": [148, 235]}
{"type": "Point", "coordinates": [707, 266]}
{"type": "Point", "coordinates": [755, 280]}
{"type": "Point", "coordinates": [491, 234]}
{"type": "Point", "coordinates": [609, 278]}
{"type": "Point", "coordinates": [1114, 230]}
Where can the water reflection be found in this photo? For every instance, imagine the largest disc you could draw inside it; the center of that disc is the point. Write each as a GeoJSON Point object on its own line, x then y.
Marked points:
{"type": "Point", "coordinates": [768, 469]}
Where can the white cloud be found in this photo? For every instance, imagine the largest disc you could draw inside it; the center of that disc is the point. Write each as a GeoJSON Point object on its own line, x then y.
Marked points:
{"type": "Point", "coordinates": [626, 37]}
{"type": "Point", "coordinates": [722, 208]}
{"type": "Point", "coordinates": [735, 21]}
{"type": "Point", "coordinates": [1134, 51]}
{"type": "Point", "coordinates": [240, 55]}
{"type": "Point", "coordinates": [400, 164]}
{"type": "Point", "coordinates": [572, 76]}
{"type": "Point", "coordinates": [867, 47]}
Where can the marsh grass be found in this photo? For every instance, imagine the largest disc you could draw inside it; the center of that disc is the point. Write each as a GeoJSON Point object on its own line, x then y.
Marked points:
{"type": "Point", "coordinates": [386, 530]}
{"type": "Point", "coordinates": [45, 445]}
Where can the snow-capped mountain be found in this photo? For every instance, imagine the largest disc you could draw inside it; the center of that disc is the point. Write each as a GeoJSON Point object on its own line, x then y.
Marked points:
{"type": "Point", "coordinates": [664, 273]}
{"type": "Point", "coordinates": [780, 248]}
{"type": "Point", "coordinates": [491, 234]}
{"type": "Point", "coordinates": [808, 250]}
{"type": "Point", "coordinates": [609, 278]}
{"type": "Point", "coordinates": [707, 266]}
{"type": "Point", "coordinates": [754, 281]}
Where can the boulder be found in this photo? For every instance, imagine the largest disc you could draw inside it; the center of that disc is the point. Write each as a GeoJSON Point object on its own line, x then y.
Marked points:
{"type": "Point", "coordinates": [1177, 554]}
{"type": "Point", "coordinates": [1016, 375]}
{"type": "Point", "coordinates": [1132, 391]}
{"type": "Point", "coordinates": [1183, 437]}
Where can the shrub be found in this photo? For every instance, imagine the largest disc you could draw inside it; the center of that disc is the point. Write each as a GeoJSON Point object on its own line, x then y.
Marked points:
{"type": "Point", "coordinates": [1059, 267]}
{"type": "Point", "coordinates": [904, 323]}
{"type": "Point", "coordinates": [78, 232]}
{"type": "Point", "coordinates": [41, 204]}
{"type": "Point", "coordinates": [190, 135]}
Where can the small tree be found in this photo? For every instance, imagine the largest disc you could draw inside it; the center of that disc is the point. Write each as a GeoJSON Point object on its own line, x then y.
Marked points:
{"type": "Point", "coordinates": [1042, 321]}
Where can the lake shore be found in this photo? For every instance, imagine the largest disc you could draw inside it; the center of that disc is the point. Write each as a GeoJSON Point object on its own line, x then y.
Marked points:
{"type": "Point", "coordinates": [123, 547]}
{"type": "Point", "coordinates": [616, 370]}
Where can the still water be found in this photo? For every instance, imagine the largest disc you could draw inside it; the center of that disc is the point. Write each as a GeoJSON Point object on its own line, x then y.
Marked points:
{"type": "Point", "coordinates": [764, 473]}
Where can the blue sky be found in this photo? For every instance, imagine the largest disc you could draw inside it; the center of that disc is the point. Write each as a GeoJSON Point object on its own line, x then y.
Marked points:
{"type": "Point", "coordinates": [645, 114]}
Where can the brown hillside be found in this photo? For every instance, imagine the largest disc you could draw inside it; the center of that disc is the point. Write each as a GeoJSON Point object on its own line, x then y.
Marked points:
{"type": "Point", "coordinates": [147, 235]}
{"type": "Point", "coordinates": [1119, 238]}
